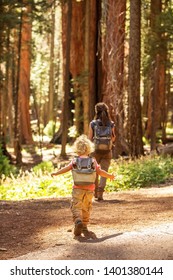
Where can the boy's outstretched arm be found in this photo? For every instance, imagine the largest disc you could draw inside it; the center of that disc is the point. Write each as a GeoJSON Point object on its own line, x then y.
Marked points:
{"type": "Point", "coordinates": [105, 174]}
{"type": "Point", "coordinates": [62, 170]}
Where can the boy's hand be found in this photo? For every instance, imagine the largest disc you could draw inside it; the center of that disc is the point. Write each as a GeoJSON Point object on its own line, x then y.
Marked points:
{"type": "Point", "coordinates": [53, 174]}
{"type": "Point", "coordinates": [112, 177]}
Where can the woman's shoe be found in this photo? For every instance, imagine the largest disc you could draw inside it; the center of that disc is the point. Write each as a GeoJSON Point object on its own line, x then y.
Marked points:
{"type": "Point", "coordinates": [100, 195]}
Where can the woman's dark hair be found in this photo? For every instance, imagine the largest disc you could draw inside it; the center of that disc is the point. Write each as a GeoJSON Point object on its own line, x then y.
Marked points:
{"type": "Point", "coordinates": [102, 113]}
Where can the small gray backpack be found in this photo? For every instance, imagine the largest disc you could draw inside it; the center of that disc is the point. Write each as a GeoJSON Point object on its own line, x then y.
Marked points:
{"type": "Point", "coordinates": [83, 171]}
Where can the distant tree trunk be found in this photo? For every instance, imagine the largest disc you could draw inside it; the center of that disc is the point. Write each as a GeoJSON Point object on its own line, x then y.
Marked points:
{"type": "Point", "coordinates": [3, 110]}
{"type": "Point", "coordinates": [24, 78]}
{"type": "Point", "coordinates": [4, 50]}
{"type": "Point", "coordinates": [10, 95]}
{"type": "Point", "coordinates": [76, 64]}
{"type": "Point", "coordinates": [94, 17]}
{"type": "Point", "coordinates": [113, 64]}
{"type": "Point", "coordinates": [51, 113]}
{"type": "Point", "coordinates": [66, 56]}
{"type": "Point", "coordinates": [17, 128]}
{"type": "Point", "coordinates": [162, 82]}
{"type": "Point", "coordinates": [153, 104]}
{"type": "Point", "coordinates": [162, 90]}
{"type": "Point", "coordinates": [168, 96]}
{"type": "Point", "coordinates": [85, 91]}
{"type": "Point", "coordinates": [89, 79]}
{"type": "Point", "coordinates": [1, 74]}
{"type": "Point", "coordinates": [135, 121]}
{"type": "Point", "coordinates": [154, 111]}
{"type": "Point", "coordinates": [6, 104]}
{"type": "Point", "coordinates": [99, 71]}
{"type": "Point", "coordinates": [83, 70]}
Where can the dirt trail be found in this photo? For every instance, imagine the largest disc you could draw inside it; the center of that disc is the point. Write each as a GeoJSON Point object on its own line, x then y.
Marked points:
{"type": "Point", "coordinates": [128, 225]}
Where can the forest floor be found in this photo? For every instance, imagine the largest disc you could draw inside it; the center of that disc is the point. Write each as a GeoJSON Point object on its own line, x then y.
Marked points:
{"type": "Point", "coordinates": [127, 224]}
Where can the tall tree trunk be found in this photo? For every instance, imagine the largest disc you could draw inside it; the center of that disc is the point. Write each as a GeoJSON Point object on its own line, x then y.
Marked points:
{"type": "Point", "coordinates": [24, 78]}
{"type": "Point", "coordinates": [76, 64]}
{"type": "Point", "coordinates": [93, 39]}
{"type": "Point", "coordinates": [10, 94]}
{"type": "Point", "coordinates": [66, 78]}
{"type": "Point", "coordinates": [98, 90]}
{"type": "Point", "coordinates": [17, 128]}
{"type": "Point", "coordinates": [162, 83]}
{"type": "Point", "coordinates": [83, 70]}
{"type": "Point", "coordinates": [51, 114]}
{"type": "Point", "coordinates": [2, 84]}
{"type": "Point", "coordinates": [154, 113]}
{"type": "Point", "coordinates": [135, 121]}
{"type": "Point", "coordinates": [113, 64]}
{"type": "Point", "coordinates": [85, 92]}
{"type": "Point", "coordinates": [162, 89]}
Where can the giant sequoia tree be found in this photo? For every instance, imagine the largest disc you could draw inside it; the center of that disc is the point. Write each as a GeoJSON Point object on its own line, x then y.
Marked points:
{"type": "Point", "coordinates": [158, 56]}
{"type": "Point", "coordinates": [113, 67]}
{"type": "Point", "coordinates": [24, 74]}
{"type": "Point", "coordinates": [83, 64]}
{"type": "Point", "coordinates": [66, 75]}
{"type": "Point", "coordinates": [135, 118]}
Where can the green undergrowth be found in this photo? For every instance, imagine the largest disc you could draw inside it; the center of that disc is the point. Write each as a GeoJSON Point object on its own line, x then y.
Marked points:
{"type": "Point", "coordinates": [38, 182]}
{"type": "Point", "coordinates": [140, 173]}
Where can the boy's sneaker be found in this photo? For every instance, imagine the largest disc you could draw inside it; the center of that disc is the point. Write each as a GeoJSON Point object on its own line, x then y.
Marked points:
{"type": "Point", "coordinates": [78, 227]}
{"type": "Point", "coordinates": [88, 234]}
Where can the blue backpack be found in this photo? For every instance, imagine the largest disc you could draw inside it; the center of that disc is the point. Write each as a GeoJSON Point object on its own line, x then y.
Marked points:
{"type": "Point", "coordinates": [102, 136]}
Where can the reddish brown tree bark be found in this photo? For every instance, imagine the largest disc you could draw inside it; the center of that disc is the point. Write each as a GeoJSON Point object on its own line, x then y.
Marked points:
{"type": "Point", "coordinates": [134, 115]}
{"type": "Point", "coordinates": [154, 106]}
{"type": "Point", "coordinates": [66, 74]}
{"type": "Point", "coordinates": [77, 59]}
{"type": "Point", "coordinates": [24, 76]}
{"type": "Point", "coordinates": [113, 67]}
{"type": "Point", "coordinates": [83, 60]}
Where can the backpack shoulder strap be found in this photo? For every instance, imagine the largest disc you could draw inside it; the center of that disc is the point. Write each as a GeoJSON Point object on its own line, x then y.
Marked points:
{"type": "Point", "coordinates": [76, 162]}
{"type": "Point", "coordinates": [89, 163]}
{"type": "Point", "coordinates": [93, 123]}
{"type": "Point", "coordinates": [92, 163]}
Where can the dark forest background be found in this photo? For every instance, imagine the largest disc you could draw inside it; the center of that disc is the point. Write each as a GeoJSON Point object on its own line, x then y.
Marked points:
{"type": "Point", "coordinates": [59, 58]}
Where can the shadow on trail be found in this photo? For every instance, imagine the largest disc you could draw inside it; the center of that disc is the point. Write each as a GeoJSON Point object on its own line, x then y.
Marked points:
{"type": "Point", "coordinates": [112, 201]}
{"type": "Point", "coordinates": [83, 239]}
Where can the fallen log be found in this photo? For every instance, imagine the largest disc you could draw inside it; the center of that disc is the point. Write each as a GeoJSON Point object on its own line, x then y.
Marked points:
{"type": "Point", "coordinates": [165, 149]}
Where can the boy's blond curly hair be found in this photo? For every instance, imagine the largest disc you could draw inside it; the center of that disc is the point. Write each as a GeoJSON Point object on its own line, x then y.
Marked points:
{"type": "Point", "coordinates": [83, 146]}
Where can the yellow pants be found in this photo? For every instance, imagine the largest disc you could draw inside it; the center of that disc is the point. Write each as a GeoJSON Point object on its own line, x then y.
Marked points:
{"type": "Point", "coordinates": [81, 205]}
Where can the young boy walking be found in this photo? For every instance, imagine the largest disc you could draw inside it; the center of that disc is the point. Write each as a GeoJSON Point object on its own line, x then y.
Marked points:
{"type": "Point", "coordinates": [84, 169]}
